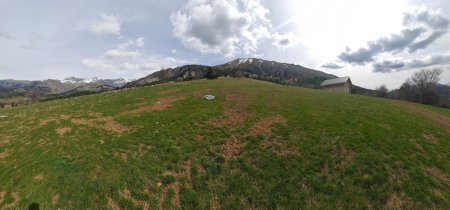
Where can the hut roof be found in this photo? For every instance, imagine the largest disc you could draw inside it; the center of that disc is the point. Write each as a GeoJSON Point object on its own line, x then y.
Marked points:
{"type": "Point", "coordinates": [335, 81]}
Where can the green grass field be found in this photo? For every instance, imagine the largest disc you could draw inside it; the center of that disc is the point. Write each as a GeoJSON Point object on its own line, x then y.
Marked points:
{"type": "Point", "coordinates": [257, 146]}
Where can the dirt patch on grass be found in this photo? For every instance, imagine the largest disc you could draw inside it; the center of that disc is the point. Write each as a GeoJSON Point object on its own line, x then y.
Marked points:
{"type": "Point", "coordinates": [397, 200]}
{"type": "Point", "coordinates": [16, 199]}
{"type": "Point", "coordinates": [278, 147]}
{"type": "Point", "coordinates": [417, 145]}
{"type": "Point", "coordinates": [430, 138]}
{"type": "Point", "coordinates": [64, 117]}
{"type": "Point", "coordinates": [106, 123]}
{"type": "Point", "coordinates": [2, 196]}
{"type": "Point", "coordinates": [438, 119]}
{"type": "Point", "coordinates": [232, 148]}
{"type": "Point", "coordinates": [112, 205]}
{"type": "Point", "coordinates": [126, 193]}
{"type": "Point", "coordinates": [214, 203]}
{"type": "Point", "coordinates": [263, 126]}
{"type": "Point", "coordinates": [438, 174]}
{"type": "Point", "coordinates": [112, 126]}
{"type": "Point", "coordinates": [5, 141]}
{"type": "Point", "coordinates": [187, 171]}
{"type": "Point", "coordinates": [4, 154]}
{"type": "Point", "coordinates": [160, 105]}
{"type": "Point", "coordinates": [62, 131]}
{"type": "Point", "coordinates": [166, 92]}
{"type": "Point", "coordinates": [235, 110]}
{"type": "Point", "coordinates": [124, 156]}
{"type": "Point", "coordinates": [341, 156]}
{"type": "Point", "coordinates": [163, 197]}
{"type": "Point", "coordinates": [176, 202]}
{"type": "Point", "coordinates": [55, 199]}
{"type": "Point", "coordinates": [38, 177]}
{"type": "Point", "coordinates": [44, 122]}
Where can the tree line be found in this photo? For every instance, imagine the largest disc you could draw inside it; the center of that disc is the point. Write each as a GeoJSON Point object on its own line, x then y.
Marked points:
{"type": "Point", "coordinates": [422, 87]}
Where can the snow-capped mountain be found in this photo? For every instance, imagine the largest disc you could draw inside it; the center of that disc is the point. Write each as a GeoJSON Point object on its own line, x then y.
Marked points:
{"type": "Point", "coordinates": [51, 87]}
{"type": "Point", "coordinates": [110, 82]}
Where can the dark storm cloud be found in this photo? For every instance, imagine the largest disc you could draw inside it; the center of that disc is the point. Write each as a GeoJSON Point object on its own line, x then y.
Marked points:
{"type": "Point", "coordinates": [394, 66]}
{"type": "Point", "coordinates": [387, 66]}
{"type": "Point", "coordinates": [396, 43]}
{"type": "Point", "coordinates": [424, 43]}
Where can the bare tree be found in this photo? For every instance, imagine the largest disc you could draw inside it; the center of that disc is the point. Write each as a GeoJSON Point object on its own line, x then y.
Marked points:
{"type": "Point", "coordinates": [34, 95]}
{"type": "Point", "coordinates": [425, 80]}
{"type": "Point", "coordinates": [382, 91]}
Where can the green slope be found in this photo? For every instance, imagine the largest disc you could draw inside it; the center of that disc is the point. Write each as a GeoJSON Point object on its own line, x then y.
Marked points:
{"type": "Point", "coordinates": [257, 146]}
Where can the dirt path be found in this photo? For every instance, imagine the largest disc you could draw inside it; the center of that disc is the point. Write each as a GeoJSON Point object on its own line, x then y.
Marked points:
{"type": "Point", "coordinates": [440, 120]}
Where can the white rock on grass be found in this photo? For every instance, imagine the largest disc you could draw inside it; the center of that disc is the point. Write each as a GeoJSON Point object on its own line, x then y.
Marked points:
{"type": "Point", "coordinates": [209, 97]}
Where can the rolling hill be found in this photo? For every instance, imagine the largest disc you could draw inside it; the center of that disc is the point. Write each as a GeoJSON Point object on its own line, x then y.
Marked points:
{"type": "Point", "coordinates": [259, 145]}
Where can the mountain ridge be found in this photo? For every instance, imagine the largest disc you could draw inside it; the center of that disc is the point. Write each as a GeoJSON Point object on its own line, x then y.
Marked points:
{"type": "Point", "coordinates": [10, 88]}
{"type": "Point", "coordinates": [282, 73]}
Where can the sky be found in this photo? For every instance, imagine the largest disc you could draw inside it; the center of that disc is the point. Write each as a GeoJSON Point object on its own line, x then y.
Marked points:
{"type": "Point", "coordinates": [373, 42]}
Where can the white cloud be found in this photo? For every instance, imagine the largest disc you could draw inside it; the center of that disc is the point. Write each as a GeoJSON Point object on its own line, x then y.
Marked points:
{"type": "Point", "coordinates": [173, 51]}
{"type": "Point", "coordinates": [221, 26]}
{"type": "Point", "coordinates": [130, 57]}
{"type": "Point", "coordinates": [284, 41]}
{"type": "Point", "coordinates": [124, 50]}
{"type": "Point", "coordinates": [109, 24]}
{"type": "Point", "coordinates": [97, 64]}
{"type": "Point", "coordinates": [140, 42]}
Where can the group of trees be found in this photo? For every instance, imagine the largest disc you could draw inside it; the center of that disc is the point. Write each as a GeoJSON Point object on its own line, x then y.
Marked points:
{"type": "Point", "coordinates": [32, 96]}
{"type": "Point", "coordinates": [423, 87]}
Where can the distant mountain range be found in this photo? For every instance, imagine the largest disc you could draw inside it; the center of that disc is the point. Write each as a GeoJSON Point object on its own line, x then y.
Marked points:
{"type": "Point", "coordinates": [51, 87]}
{"type": "Point", "coordinates": [281, 73]}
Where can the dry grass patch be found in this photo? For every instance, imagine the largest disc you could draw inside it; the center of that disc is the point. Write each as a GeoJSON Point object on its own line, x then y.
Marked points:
{"type": "Point", "coordinates": [64, 117]}
{"type": "Point", "coordinates": [126, 193]}
{"type": "Point", "coordinates": [214, 203]}
{"type": "Point", "coordinates": [438, 174]}
{"type": "Point", "coordinates": [44, 122]}
{"type": "Point", "coordinates": [187, 172]}
{"type": "Point", "coordinates": [397, 200]}
{"type": "Point", "coordinates": [232, 148]}
{"type": "Point", "coordinates": [263, 126]}
{"type": "Point", "coordinates": [62, 131]}
{"type": "Point", "coordinates": [55, 199]}
{"type": "Point", "coordinates": [430, 138]}
{"type": "Point", "coordinates": [342, 156]}
{"type": "Point", "coordinates": [38, 177]}
{"type": "Point", "coordinates": [16, 199]}
{"type": "Point", "coordinates": [124, 156]}
{"type": "Point", "coordinates": [4, 154]}
{"type": "Point", "coordinates": [106, 123]}
{"type": "Point", "coordinates": [163, 197]}
{"type": "Point", "coordinates": [167, 92]}
{"type": "Point", "coordinates": [176, 202]}
{"type": "Point", "coordinates": [278, 147]}
{"type": "Point", "coordinates": [235, 110]}
{"type": "Point", "coordinates": [2, 196]}
{"type": "Point", "coordinates": [112, 205]}
{"type": "Point", "coordinates": [160, 105]}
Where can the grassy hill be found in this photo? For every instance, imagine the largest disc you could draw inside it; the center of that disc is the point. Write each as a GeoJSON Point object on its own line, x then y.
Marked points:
{"type": "Point", "coordinates": [257, 146]}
